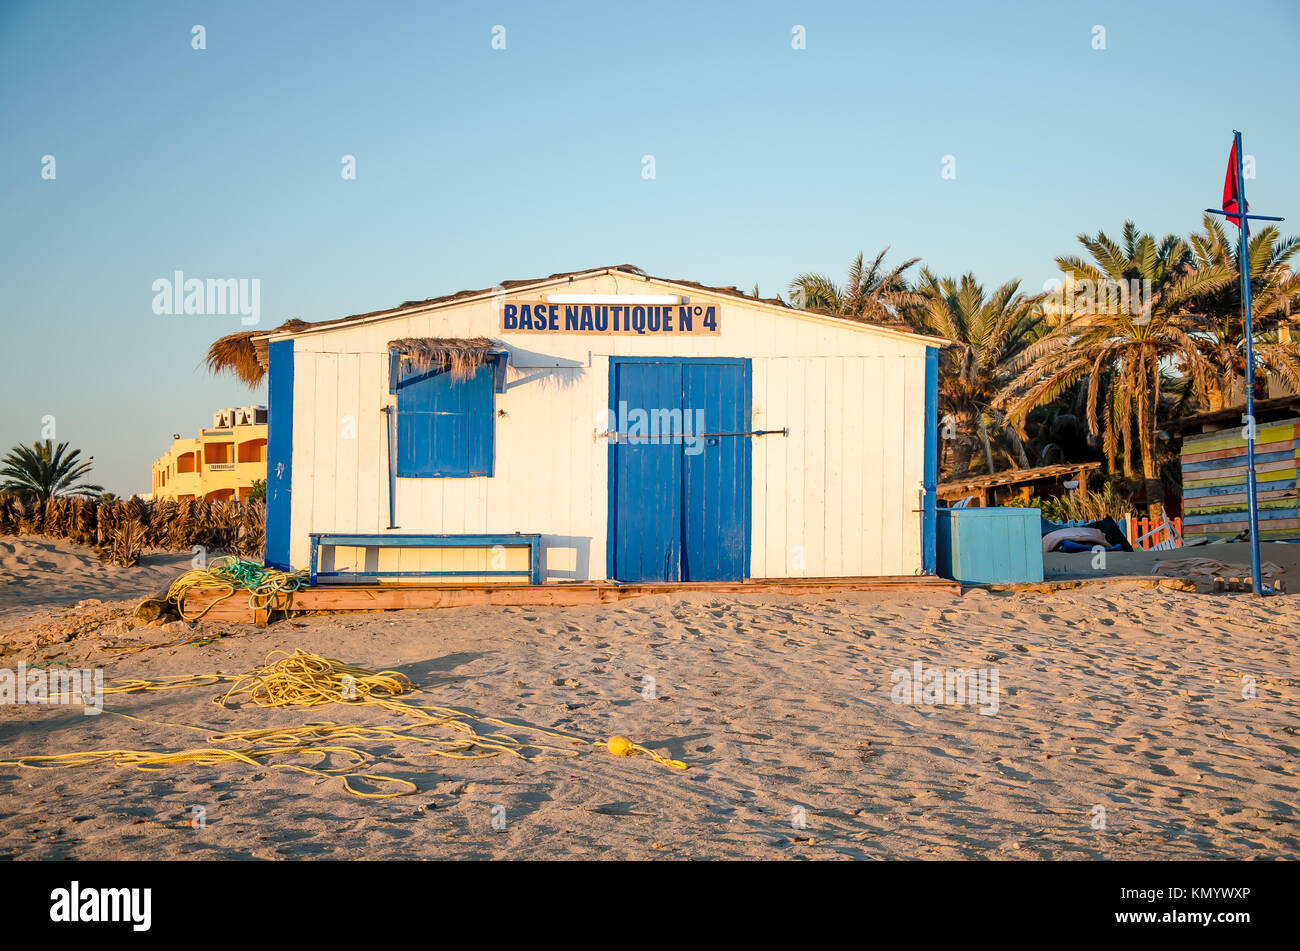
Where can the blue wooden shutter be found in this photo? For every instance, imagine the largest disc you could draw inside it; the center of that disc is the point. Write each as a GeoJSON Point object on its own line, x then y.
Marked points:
{"type": "Point", "coordinates": [445, 427]}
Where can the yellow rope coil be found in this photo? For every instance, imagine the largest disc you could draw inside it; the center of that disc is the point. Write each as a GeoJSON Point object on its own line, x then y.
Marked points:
{"type": "Point", "coordinates": [302, 679]}
{"type": "Point", "coordinates": [267, 587]}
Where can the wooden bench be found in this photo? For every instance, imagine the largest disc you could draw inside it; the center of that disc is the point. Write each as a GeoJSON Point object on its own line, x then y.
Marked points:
{"type": "Point", "coordinates": [532, 574]}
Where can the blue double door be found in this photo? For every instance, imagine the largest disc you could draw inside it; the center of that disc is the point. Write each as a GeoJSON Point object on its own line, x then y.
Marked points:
{"type": "Point", "coordinates": [679, 469]}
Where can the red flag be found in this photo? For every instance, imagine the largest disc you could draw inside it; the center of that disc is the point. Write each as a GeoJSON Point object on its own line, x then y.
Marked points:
{"type": "Point", "coordinates": [1231, 194]}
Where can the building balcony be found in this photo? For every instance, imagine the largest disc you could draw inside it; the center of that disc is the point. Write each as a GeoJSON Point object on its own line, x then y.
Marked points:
{"type": "Point", "coordinates": [214, 466]}
{"type": "Point", "coordinates": [182, 483]}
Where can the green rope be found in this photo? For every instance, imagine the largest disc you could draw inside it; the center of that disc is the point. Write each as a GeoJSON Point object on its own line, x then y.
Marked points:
{"type": "Point", "coordinates": [264, 585]}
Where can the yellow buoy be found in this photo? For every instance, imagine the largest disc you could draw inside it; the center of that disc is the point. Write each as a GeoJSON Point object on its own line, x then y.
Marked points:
{"type": "Point", "coordinates": [622, 746]}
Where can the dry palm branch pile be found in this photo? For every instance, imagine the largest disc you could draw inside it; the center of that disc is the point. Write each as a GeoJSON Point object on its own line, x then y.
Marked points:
{"type": "Point", "coordinates": [121, 529]}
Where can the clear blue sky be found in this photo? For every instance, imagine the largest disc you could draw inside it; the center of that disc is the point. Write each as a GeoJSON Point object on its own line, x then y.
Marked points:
{"type": "Point", "coordinates": [475, 165]}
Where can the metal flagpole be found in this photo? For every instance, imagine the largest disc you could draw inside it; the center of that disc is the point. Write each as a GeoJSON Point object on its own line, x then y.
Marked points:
{"type": "Point", "coordinates": [1241, 218]}
{"type": "Point", "coordinates": [1243, 258]}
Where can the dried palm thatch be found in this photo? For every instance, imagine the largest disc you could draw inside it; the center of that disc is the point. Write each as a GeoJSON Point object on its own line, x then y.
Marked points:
{"type": "Point", "coordinates": [178, 525]}
{"type": "Point", "coordinates": [222, 524]}
{"type": "Point", "coordinates": [138, 509]}
{"type": "Point", "coordinates": [198, 531]}
{"type": "Point", "coordinates": [8, 516]}
{"type": "Point", "coordinates": [459, 356]}
{"type": "Point", "coordinates": [126, 545]}
{"type": "Point", "coordinates": [252, 530]}
{"type": "Point", "coordinates": [85, 524]}
{"type": "Point", "coordinates": [120, 530]}
{"type": "Point", "coordinates": [105, 523]}
{"type": "Point", "coordinates": [239, 355]}
{"type": "Point", "coordinates": [28, 515]}
{"type": "Point", "coordinates": [56, 517]}
{"type": "Point", "coordinates": [157, 535]}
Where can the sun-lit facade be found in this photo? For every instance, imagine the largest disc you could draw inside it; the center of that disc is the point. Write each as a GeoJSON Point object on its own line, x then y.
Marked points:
{"type": "Point", "coordinates": [222, 462]}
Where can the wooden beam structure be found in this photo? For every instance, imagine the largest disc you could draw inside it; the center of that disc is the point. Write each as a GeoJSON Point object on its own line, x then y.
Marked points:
{"type": "Point", "coordinates": [1021, 479]}
{"type": "Point", "coordinates": [356, 597]}
{"type": "Point", "coordinates": [1230, 418]}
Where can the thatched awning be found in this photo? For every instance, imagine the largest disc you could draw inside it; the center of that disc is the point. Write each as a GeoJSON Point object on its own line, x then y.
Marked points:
{"type": "Point", "coordinates": [459, 356]}
{"type": "Point", "coordinates": [242, 356]}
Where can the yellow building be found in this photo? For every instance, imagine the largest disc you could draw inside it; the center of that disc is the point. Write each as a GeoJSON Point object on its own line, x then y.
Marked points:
{"type": "Point", "coordinates": [221, 463]}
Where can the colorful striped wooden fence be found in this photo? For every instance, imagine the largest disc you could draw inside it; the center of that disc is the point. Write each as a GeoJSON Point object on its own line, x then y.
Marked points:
{"type": "Point", "coordinates": [1214, 482]}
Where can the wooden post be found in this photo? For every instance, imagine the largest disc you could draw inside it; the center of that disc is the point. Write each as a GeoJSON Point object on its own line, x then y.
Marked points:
{"type": "Point", "coordinates": [155, 606]}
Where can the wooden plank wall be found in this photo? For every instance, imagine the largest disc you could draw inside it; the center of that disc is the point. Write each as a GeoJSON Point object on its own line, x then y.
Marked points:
{"type": "Point", "coordinates": [1214, 482]}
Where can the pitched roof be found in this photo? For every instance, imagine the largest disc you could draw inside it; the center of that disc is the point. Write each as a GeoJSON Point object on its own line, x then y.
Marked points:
{"type": "Point", "coordinates": [1233, 414]}
{"type": "Point", "coordinates": [627, 269]}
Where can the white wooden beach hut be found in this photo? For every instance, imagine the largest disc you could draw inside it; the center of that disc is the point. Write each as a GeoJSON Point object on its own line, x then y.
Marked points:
{"type": "Point", "coordinates": [600, 425]}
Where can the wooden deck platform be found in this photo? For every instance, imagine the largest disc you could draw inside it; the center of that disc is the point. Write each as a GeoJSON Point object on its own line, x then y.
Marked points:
{"type": "Point", "coordinates": [353, 597]}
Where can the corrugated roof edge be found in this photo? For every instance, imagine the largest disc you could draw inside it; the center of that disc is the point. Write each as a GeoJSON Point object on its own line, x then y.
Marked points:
{"type": "Point", "coordinates": [628, 269]}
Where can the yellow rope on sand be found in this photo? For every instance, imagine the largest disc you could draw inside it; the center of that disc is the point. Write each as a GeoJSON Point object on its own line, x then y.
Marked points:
{"type": "Point", "coordinates": [229, 574]}
{"type": "Point", "coordinates": [302, 679]}
{"type": "Point", "coordinates": [173, 683]}
{"type": "Point", "coordinates": [151, 762]}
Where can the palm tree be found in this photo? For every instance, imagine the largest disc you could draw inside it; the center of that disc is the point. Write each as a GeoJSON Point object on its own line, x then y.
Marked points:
{"type": "Point", "coordinates": [43, 471]}
{"type": "Point", "coordinates": [1059, 435]}
{"type": "Point", "coordinates": [871, 293]}
{"type": "Point", "coordinates": [1122, 352]}
{"type": "Point", "coordinates": [988, 332]}
{"type": "Point", "coordinates": [1274, 293]}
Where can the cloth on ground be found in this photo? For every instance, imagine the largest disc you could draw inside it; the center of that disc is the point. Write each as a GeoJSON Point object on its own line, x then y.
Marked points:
{"type": "Point", "coordinates": [1081, 536]}
{"type": "Point", "coordinates": [1068, 547]}
{"type": "Point", "coordinates": [1108, 526]}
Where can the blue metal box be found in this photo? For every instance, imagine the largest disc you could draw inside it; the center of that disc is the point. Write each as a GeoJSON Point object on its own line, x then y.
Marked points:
{"type": "Point", "coordinates": [986, 545]}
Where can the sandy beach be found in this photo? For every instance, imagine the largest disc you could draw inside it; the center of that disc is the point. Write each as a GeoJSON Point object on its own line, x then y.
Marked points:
{"type": "Point", "coordinates": [1119, 563]}
{"type": "Point", "coordinates": [1117, 697]}
{"type": "Point", "coordinates": [39, 574]}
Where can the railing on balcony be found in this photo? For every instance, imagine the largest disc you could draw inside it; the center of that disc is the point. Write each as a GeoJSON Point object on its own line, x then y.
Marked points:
{"type": "Point", "coordinates": [220, 466]}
